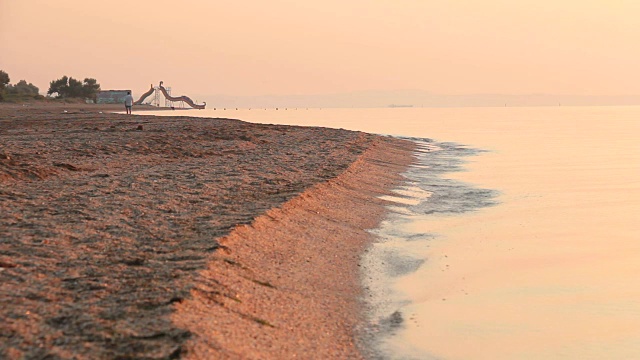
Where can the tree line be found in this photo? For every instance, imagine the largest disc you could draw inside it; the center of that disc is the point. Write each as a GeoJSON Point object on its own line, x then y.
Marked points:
{"type": "Point", "coordinates": [65, 87]}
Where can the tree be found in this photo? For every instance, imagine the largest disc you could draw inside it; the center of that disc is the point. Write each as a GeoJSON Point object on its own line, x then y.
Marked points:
{"type": "Point", "coordinates": [59, 87]}
{"type": "Point", "coordinates": [4, 79]}
{"type": "Point", "coordinates": [90, 88]}
{"type": "Point", "coordinates": [22, 89]}
{"type": "Point", "coordinates": [75, 88]}
{"type": "Point", "coordinates": [68, 87]}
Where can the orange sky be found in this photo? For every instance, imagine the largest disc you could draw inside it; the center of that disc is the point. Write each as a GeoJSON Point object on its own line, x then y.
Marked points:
{"type": "Point", "coordinates": [257, 47]}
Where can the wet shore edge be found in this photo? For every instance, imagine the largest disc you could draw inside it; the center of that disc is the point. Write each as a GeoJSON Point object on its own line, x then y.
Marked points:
{"type": "Point", "coordinates": [293, 277]}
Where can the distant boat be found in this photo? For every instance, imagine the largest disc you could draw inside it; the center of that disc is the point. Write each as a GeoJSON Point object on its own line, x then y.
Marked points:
{"type": "Point", "coordinates": [399, 106]}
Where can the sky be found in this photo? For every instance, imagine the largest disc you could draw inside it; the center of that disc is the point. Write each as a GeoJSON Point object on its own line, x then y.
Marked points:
{"type": "Point", "coordinates": [300, 47]}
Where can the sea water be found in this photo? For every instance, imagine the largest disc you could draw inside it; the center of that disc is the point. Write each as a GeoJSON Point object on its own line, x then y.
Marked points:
{"type": "Point", "coordinates": [516, 234]}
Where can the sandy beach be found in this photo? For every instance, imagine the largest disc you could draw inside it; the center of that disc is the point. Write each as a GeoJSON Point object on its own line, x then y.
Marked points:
{"type": "Point", "coordinates": [146, 237]}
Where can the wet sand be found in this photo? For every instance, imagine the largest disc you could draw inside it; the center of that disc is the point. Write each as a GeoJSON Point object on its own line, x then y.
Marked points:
{"type": "Point", "coordinates": [199, 238]}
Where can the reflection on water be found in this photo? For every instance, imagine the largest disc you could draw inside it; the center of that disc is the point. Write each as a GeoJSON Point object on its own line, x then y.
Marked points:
{"type": "Point", "coordinates": [550, 271]}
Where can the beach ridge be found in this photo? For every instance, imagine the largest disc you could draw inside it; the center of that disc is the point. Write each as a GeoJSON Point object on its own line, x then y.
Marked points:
{"type": "Point", "coordinates": [289, 283]}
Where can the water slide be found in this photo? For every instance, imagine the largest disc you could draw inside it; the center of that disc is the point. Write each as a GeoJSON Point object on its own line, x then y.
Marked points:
{"type": "Point", "coordinates": [144, 96]}
{"type": "Point", "coordinates": [186, 99]}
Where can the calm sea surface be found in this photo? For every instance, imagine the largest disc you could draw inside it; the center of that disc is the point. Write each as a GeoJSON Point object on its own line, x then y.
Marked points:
{"type": "Point", "coordinates": [516, 235]}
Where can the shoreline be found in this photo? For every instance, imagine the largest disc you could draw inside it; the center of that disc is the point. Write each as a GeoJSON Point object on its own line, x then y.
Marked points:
{"type": "Point", "coordinates": [111, 223]}
{"type": "Point", "coordinates": [306, 254]}
{"type": "Point", "coordinates": [79, 106]}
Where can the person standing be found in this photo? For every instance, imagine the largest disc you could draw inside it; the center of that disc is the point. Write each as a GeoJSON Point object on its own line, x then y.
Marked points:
{"type": "Point", "coordinates": [128, 102]}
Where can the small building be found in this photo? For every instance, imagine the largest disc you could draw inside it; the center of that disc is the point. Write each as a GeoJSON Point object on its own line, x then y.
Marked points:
{"type": "Point", "coordinates": [111, 96]}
